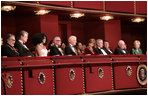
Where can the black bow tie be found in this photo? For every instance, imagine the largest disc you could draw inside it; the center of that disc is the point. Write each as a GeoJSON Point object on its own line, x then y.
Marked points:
{"type": "Point", "coordinates": [59, 46]}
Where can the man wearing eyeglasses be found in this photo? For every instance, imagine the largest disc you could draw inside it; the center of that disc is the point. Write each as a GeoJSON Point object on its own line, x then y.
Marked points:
{"type": "Point", "coordinates": [56, 50]}
{"type": "Point", "coordinates": [8, 49]}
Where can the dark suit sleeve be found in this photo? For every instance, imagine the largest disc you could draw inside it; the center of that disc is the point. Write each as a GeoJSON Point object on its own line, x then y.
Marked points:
{"type": "Point", "coordinates": [127, 52]}
{"type": "Point", "coordinates": [22, 51]}
{"type": "Point", "coordinates": [67, 51]}
{"type": "Point", "coordinates": [116, 52]}
{"type": "Point", "coordinates": [97, 51]}
{"type": "Point", "coordinates": [54, 51]}
{"type": "Point", "coordinates": [6, 51]}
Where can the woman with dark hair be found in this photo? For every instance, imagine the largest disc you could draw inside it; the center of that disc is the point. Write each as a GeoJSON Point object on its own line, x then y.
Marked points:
{"type": "Point", "coordinates": [40, 40]}
{"type": "Point", "coordinates": [51, 43]}
{"type": "Point", "coordinates": [79, 48]}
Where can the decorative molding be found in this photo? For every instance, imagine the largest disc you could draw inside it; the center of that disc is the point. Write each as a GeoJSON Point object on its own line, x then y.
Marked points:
{"type": "Point", "coordinates": [69, 9]}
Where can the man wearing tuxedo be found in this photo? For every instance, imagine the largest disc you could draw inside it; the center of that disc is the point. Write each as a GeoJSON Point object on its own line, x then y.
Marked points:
{"type": "Point", "coordinates": [8, 49]}
{"type": "Point", "coordinates": [100, 49]}
{"type": "Point", "coordinates": [56, 48]}
{"type": "Point", "coordinates": [20, 44]}
{"type": "Point", "coordinates": [71, 49]}
{"type": "Point", "coordinates": [107, 48]}
{"type": "Point", "coordinates": [121, 48]}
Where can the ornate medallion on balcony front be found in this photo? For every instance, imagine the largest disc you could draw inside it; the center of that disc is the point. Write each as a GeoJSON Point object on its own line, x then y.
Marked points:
{"type": "Point", "coordinates": [9, 80]}
{"type": "Point", "coordinates": [129, 70]}
{"type": "Point", "coordinates": [100, 73]}
{"type": "Point", "coordinates": [71, 74]}
{"type": "Point", "coordinates": [142, 74]}
{"type": "Point", "coordinates": [41, 78]}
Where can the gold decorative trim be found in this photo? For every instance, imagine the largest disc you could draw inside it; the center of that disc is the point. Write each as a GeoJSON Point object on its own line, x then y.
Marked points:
{"type": "Point", "coordinates": [112, 76]}
{"type": "Point", "coordinates": [53, 72]}
{"type": "Point", "coordinates": [22, 82]}
{"type": "Point", "coordinates": [142, 74]}
{"type": "Point", "coordinates": [84, 89]}
{"type": "Point", "coordinates": [135, 7]}
{"type": "Point", "coordinates": [71, 4]}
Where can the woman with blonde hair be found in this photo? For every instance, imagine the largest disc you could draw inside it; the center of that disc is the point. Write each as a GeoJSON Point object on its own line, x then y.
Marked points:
{"type": "Point", "coordinates": [92, 40]}
{"type": "Point", "coordinates": [136, 49]}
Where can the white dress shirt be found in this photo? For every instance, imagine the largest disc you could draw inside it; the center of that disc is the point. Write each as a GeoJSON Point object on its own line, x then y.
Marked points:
{"type": "Point", "coordinates": [23, 44]}
{"type": "Point", "coordinates": [104, 53]}
{"type": "Point", "coordinates": [73, 49]}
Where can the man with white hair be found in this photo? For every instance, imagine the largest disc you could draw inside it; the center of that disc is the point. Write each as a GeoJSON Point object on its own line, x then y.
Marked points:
{"type": "Point", "coordinates": [100, 49]}
{"type": "Point", "coordinates": [121, 48]}
{"type": "Point", "coordinates": [56, 48]}
{"type": "Point", "coordinates": [71, 49]}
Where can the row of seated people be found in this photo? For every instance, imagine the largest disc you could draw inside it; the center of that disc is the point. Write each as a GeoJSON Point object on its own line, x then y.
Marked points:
{"type": "Point", "coordinates": [18, 48]}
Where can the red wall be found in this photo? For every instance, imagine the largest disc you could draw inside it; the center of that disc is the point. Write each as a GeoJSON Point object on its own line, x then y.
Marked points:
{"type": "Point", "coordinates": [120, 6]}
{"type": "Point", "coordinates": [61, 30]}
{"type": "Point", "coordinates": [29, 23]}
{"type": "Point", "coordinates": [61, 3]}
{"type": "Point", "coordinates": [8, 25]}
{"type": "Point", "coordinates": [141, 7]}
{"type": "Point", "coordinates": [94, 29]}
{"type": "Point", "coordinates": [112, 32]}
{"type": "Point", "coordinates": [49, 26]}
{"type": "Point", "coordinates": [134, 31]}
{"type": "Point", "coordinates": [89, 4]}
{"type": "Point", "coordinates": [77, 30]}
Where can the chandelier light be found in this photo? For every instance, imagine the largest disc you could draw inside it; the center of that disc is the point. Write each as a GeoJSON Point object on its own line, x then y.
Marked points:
{"type": "Point", "coordinates": [107, 17]}
{"type": "Point", "coordinates": [42, 12]}
{"type": "Point", "coordinates": [76, 15]}
{"type": "Point", "coordinates": [138, 19]}
{"type": "Point", "coordinates": [8, 8]}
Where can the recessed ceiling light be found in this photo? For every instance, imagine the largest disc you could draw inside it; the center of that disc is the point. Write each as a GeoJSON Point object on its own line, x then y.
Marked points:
{"type": "Point", "coordinates": [76, 15]}
{"type": "Point", "coordinates": [42, 12]}
{"type": "Point", "coordinates": [106, 17]}
{"type": "Point", "coordinates": [8, 8]}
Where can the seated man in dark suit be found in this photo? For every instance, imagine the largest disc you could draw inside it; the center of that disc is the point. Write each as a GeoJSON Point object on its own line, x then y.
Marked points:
{"type": "Point", "coordinates": [71, 49]}
{"type": "Point", "coordinates": [121, 48]}
{"type": "Point", "coordinates": [8, 49]}
{"type": "Point", "coordinates": [106, 46]}
{"type": "Point", "coordinates": [20, 44]}
{"type": "Point", "coordinates": [56, 48]}
{"type": "Point", "coordinates": [100, 49]}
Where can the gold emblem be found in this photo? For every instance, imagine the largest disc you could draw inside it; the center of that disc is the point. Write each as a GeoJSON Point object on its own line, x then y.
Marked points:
{"type": "Point", "coordinates": [9, 80]}
{"type": "Point", "coordinates": [142, 74]}
{"type": "Point", "coordinates": [129, 70]}
{"type": "Point", "coordinates": [41, 78]}
{"type": "Point", "coordinates": [71, 74]}
{"type": "Point", "coordinates": [100, 73]}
